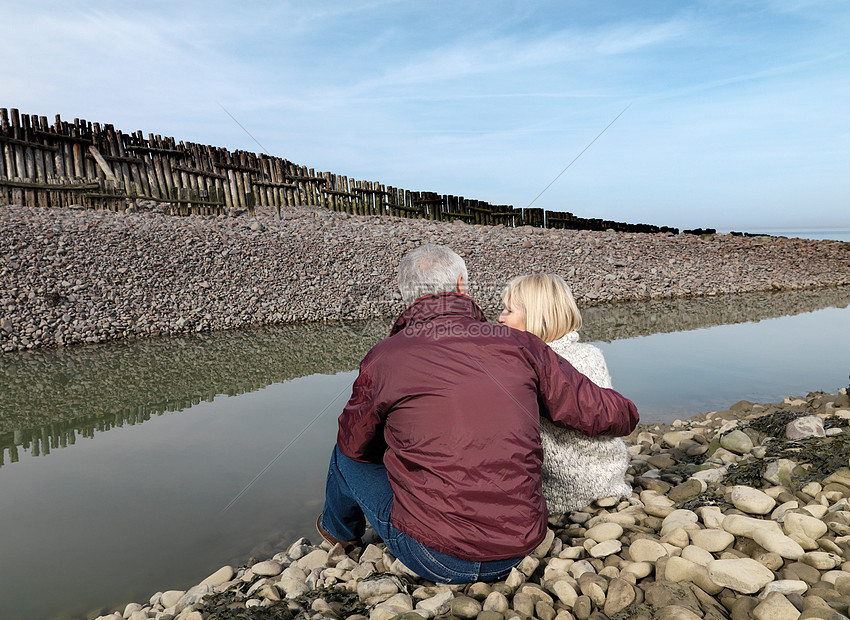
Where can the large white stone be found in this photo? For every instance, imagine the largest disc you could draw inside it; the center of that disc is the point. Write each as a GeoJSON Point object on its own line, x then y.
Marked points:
{"type": "Point", "coordinates": [778, 543]}
{"type": "Point", "coordinates": [605, 548]}
{"type": "Point", "coordinates": [821, 560]}
{"type": "Point", "coordinates": [222, 575]}
{"type": "Point", "coordinates": [737, 441]}
{"type": "Point", "coordinates": [775, 607]}
{"type": "Point", "coordinates": [739, 525]}
{"type": "Point", "coordinates": [646, 550]}
{"type": "Point", "coordinates": [711, 540]}
{"type": "Point", "coordinates": [803, 524]}
{"type": "Point", "coordinates": [498, 602]}
{"type": "Point", "coordinates": [712, 476]}
{"type": "Point", "coordinates": [565, 592]}
{"type": "Point", "coordinates": [604, 531]}
{"type": "Point", "coordinates": [680, 518]}
{"type": "Point", "coordinates": [170, 598]}
{"type": "Point", "coordinates": [677, 538]}
{"type": "Point", "coordinates": [673, 438]}
{"type": "Point", "coordinates": [697, 554]}
{"type": "Point", "coordinates": [437, 605]}
{"type": "Point", "coordinates": [392, 607]}
{"type": "Point", "coordinates": [780, 511]}
{"type": "Point", "coordinates": [315, 559]}
{"type": "Point", "coordinates": [711, 516]}
{"type": "Point", "coordinates": [638, 569]}
{"type": "Point", "coordinates": [779, 472]}
{"type": "Point", "coordinates": [806, 426]}
{"type": "Point", "coordinates": [785, 586]}
{"type": "Point", "coordinates": [743, 575]}
{"type": "Point", "coordinates": [269, 568]}
{"type": "Point", "coordinates": [377, 591]}
{"type": "Point", "coordinates": [818, 511]}
{"type": "Point", "coordinates": [752, 501]}
{"type": "Point", "coordinates": [680, 569]}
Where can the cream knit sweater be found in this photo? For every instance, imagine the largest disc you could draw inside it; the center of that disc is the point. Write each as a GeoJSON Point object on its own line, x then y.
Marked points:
{"type": "Point", "coordinates": [578, 469]}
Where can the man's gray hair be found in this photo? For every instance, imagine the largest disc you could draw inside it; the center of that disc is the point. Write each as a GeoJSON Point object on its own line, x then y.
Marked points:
{"type": "Point", "coordinates": [428, 270]}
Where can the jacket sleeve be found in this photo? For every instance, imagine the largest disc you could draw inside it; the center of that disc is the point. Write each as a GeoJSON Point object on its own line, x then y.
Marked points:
{"type": "Point", "coordinates": [361, 425]}
{"type": "Point", "coordinates": [572, 400]}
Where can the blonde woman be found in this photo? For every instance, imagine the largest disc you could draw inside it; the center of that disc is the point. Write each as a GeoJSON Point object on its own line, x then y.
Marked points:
{"type": "Point", "coordinates": [577, 469]}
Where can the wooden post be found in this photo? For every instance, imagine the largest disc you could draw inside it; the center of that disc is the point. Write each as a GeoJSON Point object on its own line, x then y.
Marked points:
{"type": "Point", "coordinates": [279, 167]}
{"type": "Point", "coordinates": [21, 169]}
{"type": "Point", "coordinates": [79, 164]}
{"type": "Point", "coordinates": [248, 160]}
{"type": "Point", "coordinates": [240, 183]}
{"type": "Point", "coordinates": [166, 144]}
{"type": "Point", "coordinates": [59, 156]}
{"type": "Point", "coordinates": [68, 152]}
{"type": "Point", "coordinates": [48, 156]}
{"type": "Point", "coordinates": [8, 154]}
{"type": "Point", "coordinates": [238, 197]}
{"type": "Point", "coordinates": [156, 161]}
{"type": "Point", "coordinates": [137, 173]}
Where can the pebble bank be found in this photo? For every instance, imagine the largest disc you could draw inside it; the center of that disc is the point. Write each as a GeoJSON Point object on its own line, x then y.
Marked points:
{"type": "Point", "coordinates": [734, 514]}
{"type": "Point", "coordinates": [78, 276]}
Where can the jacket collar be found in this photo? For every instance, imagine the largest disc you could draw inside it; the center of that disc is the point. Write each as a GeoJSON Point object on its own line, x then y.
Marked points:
{"type": "Point", "coordinates": [429, 307]}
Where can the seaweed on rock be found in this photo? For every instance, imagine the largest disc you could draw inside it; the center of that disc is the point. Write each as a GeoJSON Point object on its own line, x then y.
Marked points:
{"type": "Point", "coordinates": [230, 605]}
{"type": "Point", "coordinates": [747, 472]}
{"type": "Point", "coordinates": [824, 455]}
{"type": "Point", "coordinates": [635, 611]}
{"type": "Point", "coordinates": [710, 497]}
{"type": "Point", "coordinates": [774, 424]}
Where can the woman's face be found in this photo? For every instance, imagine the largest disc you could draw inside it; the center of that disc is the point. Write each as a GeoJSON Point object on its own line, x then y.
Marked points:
{"type": "Point", "coordinates": [513, 316]}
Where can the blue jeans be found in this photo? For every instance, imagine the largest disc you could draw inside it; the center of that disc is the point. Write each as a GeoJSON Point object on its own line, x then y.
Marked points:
{"type": "Point", "coordinates": [358, 491]}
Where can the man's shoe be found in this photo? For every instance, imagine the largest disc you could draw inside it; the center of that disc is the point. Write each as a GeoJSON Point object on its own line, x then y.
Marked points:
{"type": "Point", "coordinates": [347, 545]}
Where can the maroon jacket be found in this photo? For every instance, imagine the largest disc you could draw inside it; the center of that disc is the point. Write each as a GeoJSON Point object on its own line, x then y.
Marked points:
{"type": "Point", "coordinates": [451, 404]}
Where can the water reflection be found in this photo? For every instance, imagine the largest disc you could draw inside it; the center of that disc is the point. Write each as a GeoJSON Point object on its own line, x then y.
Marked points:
{"type": "Point", "coordinates": [52, 397]}
{"type": "Point", "coordinates": [617, 322]}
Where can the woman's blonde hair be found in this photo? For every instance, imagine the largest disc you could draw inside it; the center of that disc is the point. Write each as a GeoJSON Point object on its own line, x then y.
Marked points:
{"type": "Point", "coordinates": [549, 306]}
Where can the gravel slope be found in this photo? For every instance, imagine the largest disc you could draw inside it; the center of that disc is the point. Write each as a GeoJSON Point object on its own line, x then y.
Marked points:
{"type": "Point", "coordinates": [72, 276]}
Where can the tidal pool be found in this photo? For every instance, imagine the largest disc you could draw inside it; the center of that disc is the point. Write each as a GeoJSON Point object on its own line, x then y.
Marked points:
{"type": "Point", "coordinates": [130, 468]}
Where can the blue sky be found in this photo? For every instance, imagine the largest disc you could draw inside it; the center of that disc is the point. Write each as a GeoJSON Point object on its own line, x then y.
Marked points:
{"type": "Point", "coordinates": [738, 111]}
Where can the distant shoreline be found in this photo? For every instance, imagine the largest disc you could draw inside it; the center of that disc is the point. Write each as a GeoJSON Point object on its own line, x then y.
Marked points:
{"type": "Point", "coordinates": [814, 234]}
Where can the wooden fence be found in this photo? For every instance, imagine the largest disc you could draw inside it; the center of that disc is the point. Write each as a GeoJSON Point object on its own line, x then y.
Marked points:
{"type": "Point", "coordinates": [97, 166]}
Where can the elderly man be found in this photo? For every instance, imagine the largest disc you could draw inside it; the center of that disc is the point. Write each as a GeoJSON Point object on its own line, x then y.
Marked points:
{"type": "Point", "coordinates": [439, 445]}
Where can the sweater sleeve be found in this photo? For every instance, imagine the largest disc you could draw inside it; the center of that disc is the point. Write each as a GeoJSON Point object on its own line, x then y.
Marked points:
{"type": "Point", "coordinates": [572, 400]}
{"type": "Point", "coordinates": [598, 372]}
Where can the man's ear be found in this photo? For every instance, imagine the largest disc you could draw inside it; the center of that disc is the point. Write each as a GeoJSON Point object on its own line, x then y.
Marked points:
{"type": "Point", "coordinates": [461, 285]}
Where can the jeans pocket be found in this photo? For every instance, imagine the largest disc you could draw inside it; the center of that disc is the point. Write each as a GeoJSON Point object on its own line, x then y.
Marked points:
{"type": "Point", "coordinates": [439, 567]}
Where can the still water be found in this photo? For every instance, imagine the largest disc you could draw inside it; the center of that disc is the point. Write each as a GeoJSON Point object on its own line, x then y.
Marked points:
{"type": "Point", "coordinates": [136, 467]}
